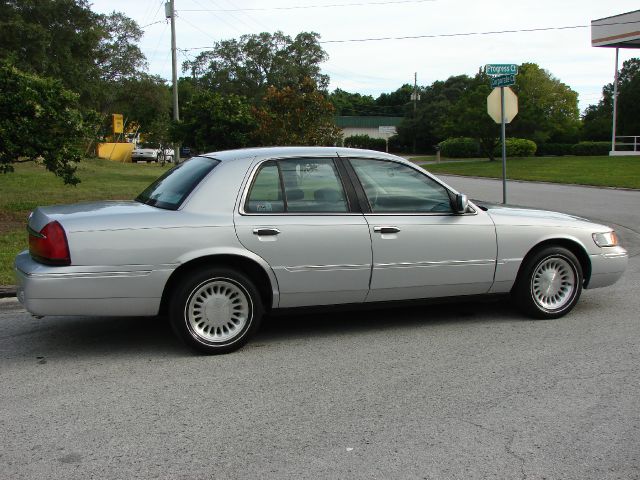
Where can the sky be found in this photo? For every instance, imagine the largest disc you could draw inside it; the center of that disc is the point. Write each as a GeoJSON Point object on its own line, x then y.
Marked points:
{"type": "Point", "coordinates": [374, 67]}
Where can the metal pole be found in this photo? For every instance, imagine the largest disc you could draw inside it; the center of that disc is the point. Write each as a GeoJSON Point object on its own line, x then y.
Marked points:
{"type": "Point", "coordinates": [615, 106]}
{"type": "Point", "coordinates": [504, 148]}
{"type": "Point", "coordinates": [174, 77]}
{"type": "Point", "coordinates": [415, 105]}
{"type": "Point", "coordinates": [415, 92]}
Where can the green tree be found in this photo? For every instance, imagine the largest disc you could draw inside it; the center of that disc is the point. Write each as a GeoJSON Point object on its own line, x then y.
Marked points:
{"type": "Point", "coordinates": [629, 98]}
{"type": "Point", "coordinates": [547, 108]}
{"type": "Point", "coordinates": [54, 39]}
{"type": "Point", "coordinates": [427, 126]}
{"type": "Point", "coordinates": [117, 55]}
{"type": "Point", "coordinates": [64, 39]}
{"type": "Point", "coordinates": [146, 101]}
{"type": "Point", "coordinates": [597, 119]}
{"type": "Point", "coordinates": [396, 103]}
{"type": "Point", "coordinates": [296, 116]}
{"type": "Point", "coordinates": [468, 116]}
{"type": "Point", "coordinates": [39, 120]}
{"type": "Point", "coordinates": [352, 104]}
{"type": "Point", "coordinates": [249, 65]}
{"type": "Point", "coordinates": [211, 121]}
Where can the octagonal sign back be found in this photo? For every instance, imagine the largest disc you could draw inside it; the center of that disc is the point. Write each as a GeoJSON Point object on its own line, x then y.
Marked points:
{"type": "Point", "coordinates": [510, 105]}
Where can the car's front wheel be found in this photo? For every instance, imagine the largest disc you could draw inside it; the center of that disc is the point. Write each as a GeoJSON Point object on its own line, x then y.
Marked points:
{"type": "Point", "coordinates": [215, 310]}
{"type": "Point", "coordinates": [549, 284]}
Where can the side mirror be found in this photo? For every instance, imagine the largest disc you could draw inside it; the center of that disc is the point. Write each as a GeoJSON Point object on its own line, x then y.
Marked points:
{"type": "Point", "coordinates": [461, 203]}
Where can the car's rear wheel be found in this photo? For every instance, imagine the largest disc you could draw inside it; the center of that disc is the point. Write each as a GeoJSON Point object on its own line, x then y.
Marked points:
{"type": "Point", "coordinates": [549, 284]}
{"type": "Point", "coordinates": [215, 310]}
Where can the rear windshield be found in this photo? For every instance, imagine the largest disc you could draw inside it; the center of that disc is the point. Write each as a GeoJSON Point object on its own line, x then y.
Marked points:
{"type": "Point", "coordinates": [172, 188]}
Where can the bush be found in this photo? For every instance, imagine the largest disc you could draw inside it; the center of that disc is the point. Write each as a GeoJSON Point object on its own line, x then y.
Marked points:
{"type": "Point", "coordinates": [591, 148]}
{"type": "Point", "coordinates": [365, 141]}
{"type": "Point", "coordinates": [517, 147]}
{"type": "Point", "coordinates": [558, 149]}
{"type": "Point", "coordinates": [398, 145]}
{"type": "Point", "coordinates": [459, 147]}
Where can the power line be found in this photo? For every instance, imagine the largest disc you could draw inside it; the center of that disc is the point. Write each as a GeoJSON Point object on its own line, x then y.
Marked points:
{"type": "Point", "coordinates": [154, 23]}
{"type": "Point", "coordinates": [446, 35]}
{"type": "Point", "coordinates": [300, 7]}
{"type": "Point", "coordinates": [467, 34]}
{"type": "Point", "coordinates": [154, 16]}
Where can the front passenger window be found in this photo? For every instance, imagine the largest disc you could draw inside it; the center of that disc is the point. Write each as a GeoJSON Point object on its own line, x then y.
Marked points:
{"type": "Point", "coordinates": [394, 187]}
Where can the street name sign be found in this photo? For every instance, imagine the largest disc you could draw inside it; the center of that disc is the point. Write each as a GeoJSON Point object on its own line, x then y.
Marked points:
{"type": "Point", "coordinates": [501, 69]}
{"type": "Point", "coordinates": [503, 81]}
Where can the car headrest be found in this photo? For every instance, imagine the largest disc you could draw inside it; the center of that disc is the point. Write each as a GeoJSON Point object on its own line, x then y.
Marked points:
{"type": "Point", "coordinates": [329, 195]}
{"type": "Point", "coordinates": [294, 194]}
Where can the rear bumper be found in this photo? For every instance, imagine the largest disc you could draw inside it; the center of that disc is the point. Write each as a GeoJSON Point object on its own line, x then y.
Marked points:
{"type": "Point", "coordinates": [125, 290]}
{"type": "Point", "coordinates": [607, 267]}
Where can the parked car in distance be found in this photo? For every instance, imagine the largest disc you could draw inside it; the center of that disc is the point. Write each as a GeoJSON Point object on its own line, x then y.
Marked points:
{"type": "Point", "coordinates": [151, 152]}
{"type": "Point", "coordinates": [221, 239]}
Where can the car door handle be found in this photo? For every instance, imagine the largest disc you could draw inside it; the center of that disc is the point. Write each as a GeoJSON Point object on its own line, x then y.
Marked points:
{"type": "Point", "coordinates": [388, 229]}
{"type": "Point", "coordinates": [266, 231]}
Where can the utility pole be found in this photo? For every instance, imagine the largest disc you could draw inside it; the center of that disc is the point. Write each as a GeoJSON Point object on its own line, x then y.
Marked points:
{"type": "Point", "coordinates": [415, 97]}
{"type": "Point", "coordinates": [415, 92]}
{"type": "Point", "coordinates": [170, 12]}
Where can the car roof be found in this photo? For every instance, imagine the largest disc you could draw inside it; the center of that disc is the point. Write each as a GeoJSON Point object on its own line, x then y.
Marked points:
{"type": "Point", "coordinates": [281, 152]}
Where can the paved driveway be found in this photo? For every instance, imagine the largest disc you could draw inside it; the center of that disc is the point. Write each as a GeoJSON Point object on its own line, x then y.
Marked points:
{"type": "Point", "coordinates": [459, 391]}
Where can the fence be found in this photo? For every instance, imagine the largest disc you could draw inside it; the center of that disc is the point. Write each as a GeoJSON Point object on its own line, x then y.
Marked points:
{"type": "Point", "coordinates": [628, 143]}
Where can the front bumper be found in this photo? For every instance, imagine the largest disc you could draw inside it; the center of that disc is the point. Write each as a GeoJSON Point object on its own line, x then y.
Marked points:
{"type": "Point", "coordinates": [607, 267]}
{"type": "Point", "coordinates": [125, 290]}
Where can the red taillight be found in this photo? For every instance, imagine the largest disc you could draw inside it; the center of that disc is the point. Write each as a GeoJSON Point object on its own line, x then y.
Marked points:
{"type": "Point", "coordinates": [49, 245]}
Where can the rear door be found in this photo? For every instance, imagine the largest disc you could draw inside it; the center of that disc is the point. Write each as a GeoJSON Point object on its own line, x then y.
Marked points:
{"type": "Point", "coordinates": [298, 216]}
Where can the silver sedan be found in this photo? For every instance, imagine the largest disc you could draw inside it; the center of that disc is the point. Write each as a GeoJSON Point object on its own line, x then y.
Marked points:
{"type": "Point", "coordinates": [223, 238]}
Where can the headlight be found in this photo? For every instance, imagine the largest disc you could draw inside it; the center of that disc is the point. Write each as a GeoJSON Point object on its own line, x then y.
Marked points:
{"type": "Point", "coordinates": [606, 239]}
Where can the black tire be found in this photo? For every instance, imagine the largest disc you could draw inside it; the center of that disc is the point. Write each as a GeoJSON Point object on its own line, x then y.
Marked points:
{"type": "Point", "coordinates": [215, 310]}
{"type": "Point", "coordinates": [549, 283]}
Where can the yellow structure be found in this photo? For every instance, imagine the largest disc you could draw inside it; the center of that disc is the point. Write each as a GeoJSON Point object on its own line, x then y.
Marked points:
{"type": "Point", "coordinates": [119, 152]}
{"type": "Point", "coordinates": [118, 123]}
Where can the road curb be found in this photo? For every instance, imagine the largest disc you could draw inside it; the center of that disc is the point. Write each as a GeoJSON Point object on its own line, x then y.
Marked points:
{"type": "Point", "coordinates": [7, 291]}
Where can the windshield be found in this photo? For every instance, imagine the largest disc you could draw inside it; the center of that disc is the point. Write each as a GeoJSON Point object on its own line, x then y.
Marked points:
{"type": "Point", "coordinates": [148, 145]}
{"type": "Point", "coordinates": [172, 188]}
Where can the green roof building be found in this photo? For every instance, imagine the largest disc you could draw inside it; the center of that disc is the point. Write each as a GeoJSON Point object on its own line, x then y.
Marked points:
{"type": "Point", "coordinates": [354, 125]}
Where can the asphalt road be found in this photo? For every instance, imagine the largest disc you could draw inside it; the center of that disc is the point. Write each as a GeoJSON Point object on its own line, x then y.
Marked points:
{"type": "Point", "coordinates": [434, 392]}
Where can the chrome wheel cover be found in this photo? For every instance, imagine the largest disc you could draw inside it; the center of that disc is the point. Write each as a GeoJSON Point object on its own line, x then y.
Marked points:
{"type": "Point", "coordinates": [218, 310]}
{"type": "Point", "coordinates": [553, 283]}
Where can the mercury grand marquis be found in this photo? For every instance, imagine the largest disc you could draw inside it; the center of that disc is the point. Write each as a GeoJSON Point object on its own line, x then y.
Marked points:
{"type": "Point", "coordinates": [222, 239]}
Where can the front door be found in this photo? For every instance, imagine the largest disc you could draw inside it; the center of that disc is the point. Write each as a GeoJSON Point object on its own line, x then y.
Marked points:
{"type": "Point", "coordinates": [421, 248]}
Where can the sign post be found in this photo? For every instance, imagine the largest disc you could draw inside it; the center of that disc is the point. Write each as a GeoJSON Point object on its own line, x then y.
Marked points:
{"type": "Point", "coordinates": [503, 135]}
{"type": "Point", "coordinates": [387, 131]}
{"type": "Point", "coordinates": [503, 75]}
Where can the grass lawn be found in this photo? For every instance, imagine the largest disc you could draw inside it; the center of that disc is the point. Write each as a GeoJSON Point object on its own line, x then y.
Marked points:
{"type": "Point", "coordinates": [599, 171]}
{"type": "Point", "coordinates": [31, 185]}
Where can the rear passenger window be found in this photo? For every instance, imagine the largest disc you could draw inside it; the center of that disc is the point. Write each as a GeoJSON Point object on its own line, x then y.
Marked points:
{"type": "Point", "coordinates": [266, 193]}
{"type": "Point", "coordinates": [311, 185]}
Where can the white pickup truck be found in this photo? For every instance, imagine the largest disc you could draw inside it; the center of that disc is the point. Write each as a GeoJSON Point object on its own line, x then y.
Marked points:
{"type": "Point", "coordinates": [151, 152]}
